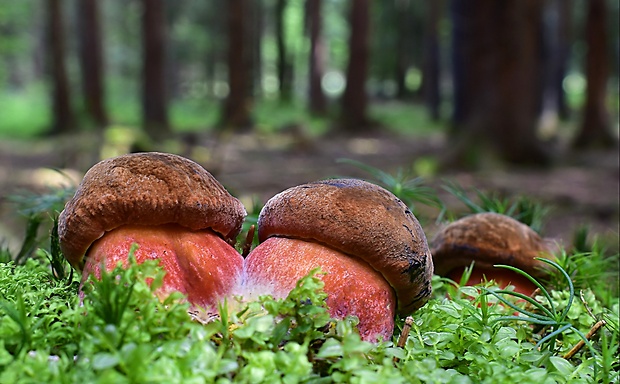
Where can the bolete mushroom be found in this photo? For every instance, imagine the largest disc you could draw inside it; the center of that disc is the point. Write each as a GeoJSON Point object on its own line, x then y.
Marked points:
{"type": "Point", "coordinates": [488, 239]}
{"type": "Point", "coordinates": [371, 247]}
{"type": "Point", "coordinates": [172, 208]}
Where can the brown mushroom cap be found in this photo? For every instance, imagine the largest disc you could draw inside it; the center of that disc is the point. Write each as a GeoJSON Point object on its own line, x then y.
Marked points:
{"type": "Point", "coordinates": [146, 189]}
{"type": "Point", "coordinates": [362, 220]}
{"type": "Point", "coordinates": [489, 239]}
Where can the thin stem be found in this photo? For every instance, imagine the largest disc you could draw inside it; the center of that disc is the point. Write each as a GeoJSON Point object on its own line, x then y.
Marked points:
{"type": "Point", "coordinates": [249, 239]}
{"type": "Point", "coordinates": [553, 334]}
{"type": "Point", "coordinates": [533, 280]}
{"type": "Point", "coordinates": [588, 336]}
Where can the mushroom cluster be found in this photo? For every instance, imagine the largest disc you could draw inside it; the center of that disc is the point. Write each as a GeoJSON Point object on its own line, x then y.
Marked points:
{"type": "Point", "coordinates": [371, 247]}
{"type": "Point", "coordinates": [488, 239]}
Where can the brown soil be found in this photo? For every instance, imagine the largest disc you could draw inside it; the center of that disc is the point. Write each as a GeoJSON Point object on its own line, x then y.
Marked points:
{"type": "Point", "coordinates": [581, 188]}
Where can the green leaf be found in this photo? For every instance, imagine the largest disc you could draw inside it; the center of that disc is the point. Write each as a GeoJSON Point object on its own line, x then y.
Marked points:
{"type": "Point", "coordinates": [563, 366]}
{"type": "Point", "coordinates": [331, 348]}
{"type": "Point", "coordinates": [104, 360]}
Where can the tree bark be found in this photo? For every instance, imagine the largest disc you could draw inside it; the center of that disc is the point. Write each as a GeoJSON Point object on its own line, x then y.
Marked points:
{"type": "Point", "coordinates": [154, 99]}
{"type": "Point", "coordinates": [316, 96]}
{"type": "Point", "coordinates": [62, 115]}
{"type": "Point", "coordinates": [91, 60]}
{"type": "Point", "coordinates": [564, 46]}
{"type": "Point", "coordinates": [215, 26]}
{"type": "Point", "coordinates": [555, 55]}
{"type": "Point", "coordinates": [254, 38]}
{"type": "Point", "coordinates": [431, 70]}
{"type": "Point", "coordinates": [355, 99]}
{"type": "Point", "coordinates": [496, 66]}
{"type": "Point", "coordinates": [595, 130]}
{"type": "Point", "coordinates": [283, 62]}
{"type": "Point", "coordinates": [236, 111]}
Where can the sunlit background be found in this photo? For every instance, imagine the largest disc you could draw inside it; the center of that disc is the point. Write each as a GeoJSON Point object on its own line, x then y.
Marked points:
{"type": "Point", "coordinates": [258, 93]}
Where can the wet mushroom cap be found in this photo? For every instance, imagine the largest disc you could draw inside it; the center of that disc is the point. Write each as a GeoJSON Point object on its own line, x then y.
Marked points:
{"type": "Point", "coordinates": [362, 220]}
{"type": "Point", "coordinates": [489, 239]}
{"type": "Point", "coordinates": [147, 189]}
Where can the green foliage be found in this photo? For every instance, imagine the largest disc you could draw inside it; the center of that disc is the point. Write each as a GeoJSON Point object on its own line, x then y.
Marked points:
{"type": "Point", "coordinates": [30, 238]}
{"type": "Point", "coordinates": [546, 315]}
{"type": "Point", "coordinates": [121, 332]}
{"type": "Point", "coordinates": [18, 119]}
{"type": "Point", "coordinates": [589, 270]}
{"type": "Point", "coordinates": [39, 208]}
{"type": "Point", "coordinates": [58, 264]}
{"type": "Point", "coordinates": [521, 208]}
{"type": "Point", "coordinates": [556, 313]}
{"type": "Point", "coordinates": [115, 329]}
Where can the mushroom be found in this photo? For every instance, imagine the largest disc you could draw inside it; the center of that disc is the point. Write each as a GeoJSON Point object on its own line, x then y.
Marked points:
{"type": "Point", "coordinates": [172, 208]}
{"type": "Point", "coordinates": [371, 247]}
{"type": "Point", "coordinates": [488, 239]}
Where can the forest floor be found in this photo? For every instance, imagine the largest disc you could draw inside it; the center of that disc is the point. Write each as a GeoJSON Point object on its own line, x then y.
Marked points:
{"type": "Point", "coordinates": [580, 188]}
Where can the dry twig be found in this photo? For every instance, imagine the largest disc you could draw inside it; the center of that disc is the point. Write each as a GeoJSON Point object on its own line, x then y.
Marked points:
{"type": "Point", "coordinates": [581, 343]}
{"type": "Point", "coordinates": [404, 335]}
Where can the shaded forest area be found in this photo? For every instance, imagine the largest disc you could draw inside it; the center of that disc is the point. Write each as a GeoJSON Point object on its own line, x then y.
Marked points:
{"type": "Point", "coordinates": [268, 94]}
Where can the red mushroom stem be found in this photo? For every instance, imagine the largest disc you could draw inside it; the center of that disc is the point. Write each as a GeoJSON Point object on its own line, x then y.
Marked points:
{"type": "Point", "coordinates": [353, 286]}
{"type": "Point", "coordinates": [198, 264]}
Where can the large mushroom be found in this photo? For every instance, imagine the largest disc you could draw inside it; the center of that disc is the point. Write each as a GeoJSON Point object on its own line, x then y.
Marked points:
{"type": "Point", "coordinates": [488, 239]}
{"type": "Point", "coordinates": [172, 208]}
{"type": "Point", "coordinates": [369, 244]}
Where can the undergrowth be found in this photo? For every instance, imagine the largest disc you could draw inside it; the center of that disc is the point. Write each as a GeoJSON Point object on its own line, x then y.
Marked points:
{"type": "Point", "coordinates": [120, 332]}
{"type": "Point", "coordinates": [117, 330]}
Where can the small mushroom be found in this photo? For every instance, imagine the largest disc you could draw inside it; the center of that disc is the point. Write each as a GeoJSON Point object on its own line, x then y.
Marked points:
{"type": "Point", "coordinates": [488, 239]}
{"type": "Point", "coordinates": [370, 246]}
{"type": "Point", "coordinates": [172, 208]}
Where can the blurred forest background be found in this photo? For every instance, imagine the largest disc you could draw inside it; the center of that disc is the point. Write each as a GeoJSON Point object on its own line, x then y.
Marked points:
{"type": "Point", "coordinates": [517, 96]}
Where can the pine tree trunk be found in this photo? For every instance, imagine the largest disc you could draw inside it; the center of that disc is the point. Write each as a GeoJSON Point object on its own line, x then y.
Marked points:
{"type": "Point", "coordinates": [62, 116]}
{"type": "Point", "coordinates": [355, 99]}
{"type": "Point", "coordinates": [283, 64]}
{"type": "Point", "coordinates": [594, 130]}
{"type": "Point", "coordinates": [154, 100]}
{"type": "Point", "coordinates": [497, 66]}
{"type": "Point", "coordinates": [431, 72]}
{"type": "Point", "coordinates": [317, 101]}
{"type": "Point", "coordinates": [91, 61]}
{"type": "Point", "coordinates": [236, 111]}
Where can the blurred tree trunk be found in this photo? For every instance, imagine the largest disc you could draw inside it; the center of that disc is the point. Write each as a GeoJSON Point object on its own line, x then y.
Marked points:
{"type": "Point", "coordinates": [402, 18]}
{"type": "Point", "coordinates": [236, 111]}
{"type": "Point", "coordinates": [565, 26]}
{"type": "Point", "coordinates": [595, 130]}
{"type": "Point", "coordinates": [431, 69]}
{"type": "Point", "coordinates": [496, 76]}
{"type": "Point", "coordinates": [91, 62]}
{"type": "Point", "coordinates": [215, 26]}
{"type": "Point", "coordinates": [254, 38]}
{"type": "Point", "coordinates": [284, 67]}
{"type": "Point", "coordinates": [355, 99]}
{"type": "Point", "coordinates": [62, 116]}
{"type": "Point", "coordinates": [316, 97]}
{"type": "Point", "coordinates": [556, 35]}
{"type": "Point", "coordinates": [154, 100]}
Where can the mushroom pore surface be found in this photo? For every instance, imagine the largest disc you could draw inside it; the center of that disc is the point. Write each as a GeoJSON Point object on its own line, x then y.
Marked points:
{"type": "Point", "coordinates": [361, 220]}
{"type": "Point", "coordinates": [199, 264]}
{"type": "Point", "coordinates": [353, 287]}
